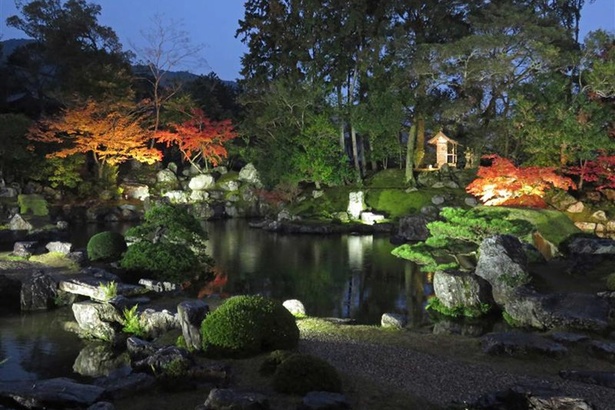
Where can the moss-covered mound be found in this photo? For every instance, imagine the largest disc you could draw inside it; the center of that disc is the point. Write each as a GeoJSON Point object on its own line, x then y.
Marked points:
{"type": "Point", "coordinates": [247, 325]}
{"type": "Point", "coordinates": [106, 245]}
{"type": "Point", "coordinates": [301, 373]}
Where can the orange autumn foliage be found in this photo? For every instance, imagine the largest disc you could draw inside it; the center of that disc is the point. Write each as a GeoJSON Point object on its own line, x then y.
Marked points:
{"type": "Point", "coordinates": [111, 137]}
{"type": "Point", "coordinates": [504, 184]}
{"type": "Point", "coordinates": [199, 138]}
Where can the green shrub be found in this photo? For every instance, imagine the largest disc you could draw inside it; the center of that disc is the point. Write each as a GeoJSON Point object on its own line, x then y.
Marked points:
{"type": "Point", "coordinates": [610, 281]}
{"type": "Point", "coordinates": [106, 246]}
{"type": "Point", "coordinates": [164, 261]}
{"type": "Point", "coordinates": [170, 244]}
{"type": "Point", "coordinates": [247, 325]}
{"type": "Point", "coordinates": [301, 373]}
{"type": "Point", "coordinates": [460, 232]}
{"type": "Point", "coordinates": [35, 203]}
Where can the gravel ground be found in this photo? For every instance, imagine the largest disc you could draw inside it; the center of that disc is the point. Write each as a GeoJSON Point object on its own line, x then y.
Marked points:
{"type": "Point", "coordinates": [439, 380]}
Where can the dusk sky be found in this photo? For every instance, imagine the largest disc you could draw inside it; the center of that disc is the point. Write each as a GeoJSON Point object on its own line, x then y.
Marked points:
{"type": "Point", "coordinates": [212, 23]}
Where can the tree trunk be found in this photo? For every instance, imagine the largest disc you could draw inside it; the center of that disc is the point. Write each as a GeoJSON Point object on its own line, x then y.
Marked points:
{"type": "Point", "coordinates": [410, 156]}
{"type": "Point", "coordinates": [419, 148]}
{"type": "Point", "coordinates": [355, 152]}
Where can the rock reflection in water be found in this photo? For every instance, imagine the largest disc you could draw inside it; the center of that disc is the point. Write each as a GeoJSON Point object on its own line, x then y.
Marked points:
{"type": "Point", "coordinates": [98, 359]}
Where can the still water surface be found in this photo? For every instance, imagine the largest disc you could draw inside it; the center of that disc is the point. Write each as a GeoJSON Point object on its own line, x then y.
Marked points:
{"type": "Point", "coordinates": [345, 276]}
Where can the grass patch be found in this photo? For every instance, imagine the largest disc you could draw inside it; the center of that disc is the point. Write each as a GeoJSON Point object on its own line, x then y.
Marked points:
{"type": "Point", "coordinates": [55, 260]}
{"type": "Point", "coordinates": [555, 226]}
{"type": "Point", "coordinates": [388, 178]}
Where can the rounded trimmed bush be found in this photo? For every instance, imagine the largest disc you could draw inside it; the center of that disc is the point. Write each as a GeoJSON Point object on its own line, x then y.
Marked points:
{"type": "Point", "coordinates": [247, 325]}
{"type": "Point", "coordinates": [106, 245]}
{"type": "Point", "coordinates": [163, 260]}
{"type": "Point", "coordinates": [302, 373]}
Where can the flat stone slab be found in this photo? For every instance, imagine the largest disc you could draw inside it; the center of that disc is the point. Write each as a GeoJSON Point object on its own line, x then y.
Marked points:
{"type": "Point", "coordinates": [86, 285]}
{"type": "Point", "coordinates": [521, 344]}
{"type": "Point", "coordinates": [58, 393]}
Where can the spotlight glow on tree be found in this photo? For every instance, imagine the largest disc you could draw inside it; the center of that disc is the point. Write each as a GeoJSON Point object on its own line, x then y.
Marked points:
{"type": "Point", "coordinates": [199, 138]}
{"type": "Point", "coordinates": [112, 137]}
{"type": "Point", "coordinates": [503, 183]}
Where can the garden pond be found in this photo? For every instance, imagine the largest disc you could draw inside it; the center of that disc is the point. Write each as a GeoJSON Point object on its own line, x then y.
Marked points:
{"type": "Point", "coordinates": [342, 276]}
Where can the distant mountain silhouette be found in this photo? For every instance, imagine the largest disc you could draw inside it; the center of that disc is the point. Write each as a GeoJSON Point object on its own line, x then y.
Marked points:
{"type": "Point", "coordinates": [8, 46]}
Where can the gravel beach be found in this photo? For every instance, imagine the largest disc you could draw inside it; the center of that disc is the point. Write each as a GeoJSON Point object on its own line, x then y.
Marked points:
{"type": "Point", "coordinates": [440, 380]}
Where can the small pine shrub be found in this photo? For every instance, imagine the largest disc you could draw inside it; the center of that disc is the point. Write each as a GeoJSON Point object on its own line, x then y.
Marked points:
{"type": "Point", "coordinates": [106, 246]}
{"type": "Point", "coordinates": [247, 325]}
{"type": "Point", "coordinates": [162, 260]}
{"type": "Point", "coordinates": [301, 373]}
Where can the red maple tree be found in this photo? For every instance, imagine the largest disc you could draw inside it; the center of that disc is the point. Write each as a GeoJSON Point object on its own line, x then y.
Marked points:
{"type": "Point", "coordinates": [504, 184]}
{"type": "Point", "coordinates": [199, 138]}
{"type": "Point", "coordinates": [599, 172]}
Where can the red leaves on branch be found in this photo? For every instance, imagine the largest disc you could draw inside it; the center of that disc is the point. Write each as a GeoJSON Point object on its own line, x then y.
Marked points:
{"type": "Point", "coordinates": [600, 172]}
{"type": "Point", "coordinates": [199, 138]}
{"type": "Point", "coordinates": [503, 183]}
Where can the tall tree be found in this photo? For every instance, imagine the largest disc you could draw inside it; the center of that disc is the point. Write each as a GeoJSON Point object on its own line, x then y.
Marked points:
{"type": "Point", "coordinates": [166, 49]}
{"type": "Point", "coordinates": [110, 137]}
{"type": "Point", "coordinates": [80, 56]}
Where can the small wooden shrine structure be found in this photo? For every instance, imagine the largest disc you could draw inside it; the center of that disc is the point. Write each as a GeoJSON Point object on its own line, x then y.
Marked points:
{"type": "Point", "coordinates": [446, 150]}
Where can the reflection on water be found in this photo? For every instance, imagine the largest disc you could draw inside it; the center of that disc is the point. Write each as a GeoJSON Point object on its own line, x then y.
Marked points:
{"type": "Point", "coordinates": [35, 346]}
{"type": "Point", "coordinates": [338, 275]}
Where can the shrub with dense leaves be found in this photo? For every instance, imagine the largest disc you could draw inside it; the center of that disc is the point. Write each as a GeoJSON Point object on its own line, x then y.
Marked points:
{"type": "Point", "coordinates": [247, 325]}
{"type": "Point", "coordinates": [164, 261]}
{"type": "Point", "coordinates": [302, 373]}
{"type": "Point", "coordinates": [106, 246]}
{"type": "Point", "coordinates": [169, 244]}
{"type": "Point", "coordinates": [460, 231]}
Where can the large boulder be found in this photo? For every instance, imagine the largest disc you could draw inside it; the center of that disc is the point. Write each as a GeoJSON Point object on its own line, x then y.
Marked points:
{"type": "Point", "coordinates": [591, 246]}
{"type": "Point", "coordinates": [17, 223]}
{"type": "Point", "coordinates": [249, 175]}
{"type": "Point", "coordinates": [38, 292]}
{"type": "Point", "coordinates": [157, 322]}
{"type": "Point", "coordinates": [202, 182]}
{"type": "Point", "coordinates": [461, 289]}
{"type": "Point", "coordinates": [412, 228]}
{"type": "Point", "coordinates": [356, 204]}
{"type": "Point", "coordinates": [60, 247]}
{"type": "Point", "coordinates": [570, 311]}
{"type": "Point", "coordinates": [191, 314]}
{"type": "Point", "coordinates": [502, 262]}
{"type": "Point", "coordinates": [25, 249]}
{"type": "Point", "coordinates": [97, 320]}
{"type": "Point", "coordinates": [135, 191]}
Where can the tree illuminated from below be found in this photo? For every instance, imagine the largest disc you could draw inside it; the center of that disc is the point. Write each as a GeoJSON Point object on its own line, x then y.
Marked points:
{"type": "Point", "coordinates": [504, 184]}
